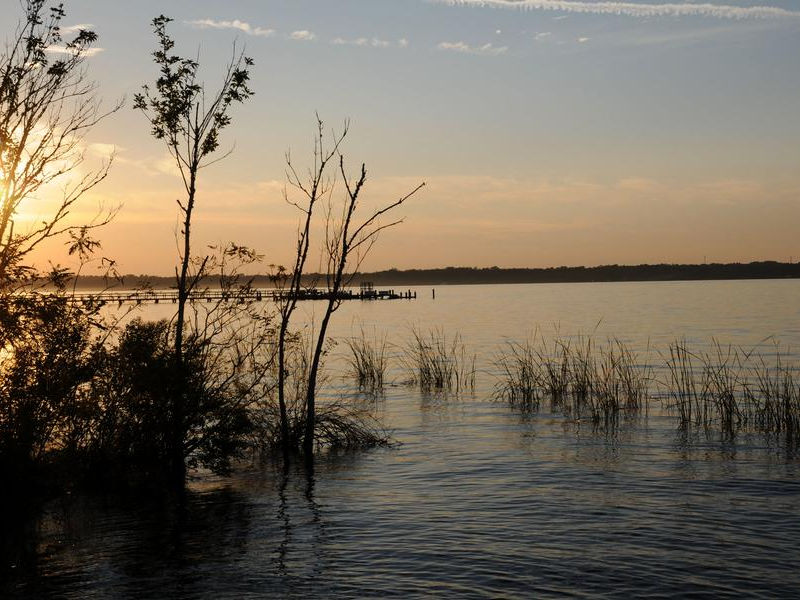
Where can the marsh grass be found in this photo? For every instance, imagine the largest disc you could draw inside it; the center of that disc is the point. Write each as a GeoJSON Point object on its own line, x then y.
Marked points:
{"type": "Point", "coordinates": [521, 376]}
{"type": "Point", "coordinates": [435, 362]}
{"type": "Point", "coordinates": [580, 378]}
{"type": "Point", "coordinates": [733, 390]}
{"type": "Point", "coordinates": [367, 360]}
{"type": "Point", "coordinates": [339, 425]}
{"type": "Point", "coordinates": [777, 386]}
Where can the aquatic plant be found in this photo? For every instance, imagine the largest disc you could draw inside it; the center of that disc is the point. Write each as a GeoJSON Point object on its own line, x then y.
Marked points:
{"type": "Point", "coordinates": [433, 362]}
{"type": "Point", "coordinates": [732, 390]}
{"type": "Point", "coordinates": [520, 382]}
{"type": "Point", "coordinates": [580, 377]}
{"type": "Point", "coordinates": [774, 396]}
{"type": "Point", "coordinates": [367, 360]}
{"type": "Point", "coordinates": [556, 374]}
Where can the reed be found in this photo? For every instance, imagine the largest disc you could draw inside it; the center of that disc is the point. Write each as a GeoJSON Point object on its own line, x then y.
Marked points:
{"type": "Point", "coordinates": [342, 426]}
{"type": "Point", "coordinates": [580, 377]}
{"type": "Point", "coordinates": [583, 371]}
{"type": "Point", "coordinates": [367, 360]}
{"type": "Point", "coordinates": [521, 380]}
{"type": "Point", "coordinates": [607, 380]}
{"type": "Point", "coordinates": [434, 362]}
{"type": "Point", "coordinates": [556, 369]}
{"type": "Point", "coordinates": [776, 402]}
{"type": "Point", "coordinates": [732, 390]}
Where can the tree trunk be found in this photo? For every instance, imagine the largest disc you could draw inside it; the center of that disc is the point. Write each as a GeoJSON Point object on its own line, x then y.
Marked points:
{"type": "Point", "coordinates": [177, 458]}
{"type": "Point", "coordinates": [308, 438]}
{"type": "Point", "coordinates": [281, 393]}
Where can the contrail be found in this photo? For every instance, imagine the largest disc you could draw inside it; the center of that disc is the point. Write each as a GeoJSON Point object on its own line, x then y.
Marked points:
{"type": "Point", "coordinates": [633, 9]}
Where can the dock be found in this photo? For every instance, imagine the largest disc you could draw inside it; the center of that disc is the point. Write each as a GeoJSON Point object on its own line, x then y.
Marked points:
{"type": "Point", "coordinates": [365, 293]}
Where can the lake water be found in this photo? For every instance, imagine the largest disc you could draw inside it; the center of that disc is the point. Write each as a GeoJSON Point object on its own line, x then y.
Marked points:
{"type": "Point", "coordinates": [479, 499]}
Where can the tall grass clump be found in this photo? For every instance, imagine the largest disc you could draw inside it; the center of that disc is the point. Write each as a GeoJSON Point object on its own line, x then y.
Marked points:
{"type": "Point", "coordinates": [620, 383]}
{"type": "Point", "coordinates": [776, 387]}
{"type": "Point", "coordinates": [580, 377]}
{"type": "Point", "coordinates": [606, 380]}
{"type": "Point", "coordinates": [521, 375]}
{"type": "Point", "coordinates": [731, 390]}
{"type": "Point", "coordinates": [434, 362]}
{"type": "Point", "coordinates": [367, 360]}
{"type": "Point", "coordinates": [706, 388]}
{"type": "Point", "coordinates": [555, 364]}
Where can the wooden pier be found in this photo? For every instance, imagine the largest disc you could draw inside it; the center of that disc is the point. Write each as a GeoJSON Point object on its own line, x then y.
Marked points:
{"type": "Point", "coordinates": [254, 295]}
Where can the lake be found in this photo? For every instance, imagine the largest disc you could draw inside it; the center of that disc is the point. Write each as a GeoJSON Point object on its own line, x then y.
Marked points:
{"type": "Point", "coordinates": [477, 499]}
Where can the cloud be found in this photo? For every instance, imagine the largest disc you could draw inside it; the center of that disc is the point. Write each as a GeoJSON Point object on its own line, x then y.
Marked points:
{"type": "Point", "coordinates": [302, 35]}
{"type": "Point", "coordinates": [102, 150]}
{"type": "Point", "coordinates": [373, 42]}
{"type": "Point", "coordinates": [64, 50]}
{"type": "Point", "coordinates": [583, 40]}
{"type": "Point", "coordinates": [543, 35]}
{"type": "Point", "coordinates": [486, 49]}
{"type": "Point", "coordinates": [76, 28]}
{"type": "Point", "coordinates": [635, 9]}
{"type": "Point", "coordinates": [235, 24]}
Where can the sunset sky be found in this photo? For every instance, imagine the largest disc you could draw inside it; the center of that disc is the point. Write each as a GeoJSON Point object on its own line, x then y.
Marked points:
{"type": "Point", "coordinates": [549, 132]}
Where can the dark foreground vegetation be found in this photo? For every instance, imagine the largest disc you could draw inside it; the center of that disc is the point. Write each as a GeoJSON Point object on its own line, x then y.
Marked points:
{"type": "Point", "coordinates": [89, 398]}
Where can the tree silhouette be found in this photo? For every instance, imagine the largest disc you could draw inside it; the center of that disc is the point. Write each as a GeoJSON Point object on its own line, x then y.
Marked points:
{"type": "Point", "coordinates": [47, 107]}
{"type": "Point", "coordinates": [190, 122]}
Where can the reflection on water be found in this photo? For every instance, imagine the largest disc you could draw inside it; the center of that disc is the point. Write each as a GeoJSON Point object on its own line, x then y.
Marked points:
{"type": "Point", "coordinates": [479, 500]}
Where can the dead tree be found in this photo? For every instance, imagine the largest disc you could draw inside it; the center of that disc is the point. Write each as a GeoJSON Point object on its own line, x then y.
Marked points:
{"type": "Point", "coordinates": [347, 242]}
{"type": "Point", "coordinates": [314, 188]}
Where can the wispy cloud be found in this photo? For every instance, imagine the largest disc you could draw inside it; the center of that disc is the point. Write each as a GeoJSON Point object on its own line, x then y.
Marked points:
{"type": "Point", "coordinates": [372, 42]}
{"type": "Point", "coordinates": [583, 40]}
{"type": "Point", "coordinates": [673, 37]}
{"type": "Point", "coordinates": [302, 35]}
{"type": "Point", "coordinates": [76, 28]}
{"type": "Point", "coordinates": [103, 150]}
{"type": "Point", "coordinates": [542, 35]}
{"type": "Point", "coordinates": [235, 24]}
{"type": "Point", "coordinates": [635, 9]}
{"type": "Point", "coordinates": [486, 49]}
{"type": "Point", "coordinates": [71, 51]}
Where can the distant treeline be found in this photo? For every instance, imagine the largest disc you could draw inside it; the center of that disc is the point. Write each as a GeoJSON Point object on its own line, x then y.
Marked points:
{"type": "Point", "coordinates": [495, 275]}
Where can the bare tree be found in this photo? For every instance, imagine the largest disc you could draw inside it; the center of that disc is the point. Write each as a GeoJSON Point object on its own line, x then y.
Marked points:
{"type": "Point", "coordinates": [315, 187]}
{"type": "Point", "coordinates": [189, 122]}
{"type": "Point", "coordinates": [348, 240]}
{"type": "Point", "coordinates": [47, 106]}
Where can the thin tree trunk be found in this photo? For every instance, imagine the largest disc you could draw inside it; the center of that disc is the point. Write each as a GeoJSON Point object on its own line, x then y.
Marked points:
{"type": "Point", "coordinates": [178, 396]}
{"type": "Point", "coordinates": [281, 393]}
{"type": "Point", "coordinates": [308, 438]}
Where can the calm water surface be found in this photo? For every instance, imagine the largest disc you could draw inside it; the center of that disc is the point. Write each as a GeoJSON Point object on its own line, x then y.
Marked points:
{"type": "Point", "coordinates": [479, 500]}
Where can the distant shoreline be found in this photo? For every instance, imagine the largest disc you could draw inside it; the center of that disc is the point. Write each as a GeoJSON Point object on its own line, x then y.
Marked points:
{"type": "Point", "coordinates": [496, 275]}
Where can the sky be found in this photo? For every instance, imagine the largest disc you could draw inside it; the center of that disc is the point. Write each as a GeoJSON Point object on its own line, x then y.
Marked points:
{"type": "Point", "coordinates": [548, 132]}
